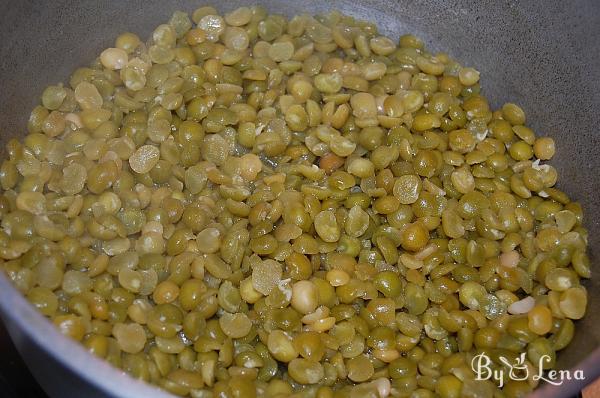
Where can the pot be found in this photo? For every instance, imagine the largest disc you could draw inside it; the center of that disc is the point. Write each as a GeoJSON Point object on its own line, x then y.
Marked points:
{"type": "Point", "coordinates": [543, 55]}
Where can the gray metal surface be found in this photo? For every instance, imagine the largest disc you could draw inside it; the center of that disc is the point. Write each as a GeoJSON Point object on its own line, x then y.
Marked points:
{"type": "Point", "coordinates": [544, 55]}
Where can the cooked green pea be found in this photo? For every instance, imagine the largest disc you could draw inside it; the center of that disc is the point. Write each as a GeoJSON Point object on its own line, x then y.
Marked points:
{"type": "Point", "coordinates": [513, 114]}
{"type": "Point", "coordinates": [388, 283]}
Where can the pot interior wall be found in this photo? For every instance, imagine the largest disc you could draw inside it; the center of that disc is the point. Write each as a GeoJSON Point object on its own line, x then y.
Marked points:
{"type": "Point", "coordinates": [543, 57]}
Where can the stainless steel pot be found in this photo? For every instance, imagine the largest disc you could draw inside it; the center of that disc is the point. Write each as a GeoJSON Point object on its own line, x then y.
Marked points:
{"type": "Point", "coordinates": [543, 55]}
